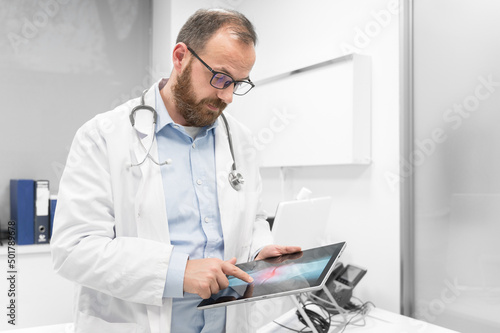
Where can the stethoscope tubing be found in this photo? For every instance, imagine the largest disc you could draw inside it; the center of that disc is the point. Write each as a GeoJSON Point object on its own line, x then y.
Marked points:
{"type": "Point", "coordinates": [235, 178]}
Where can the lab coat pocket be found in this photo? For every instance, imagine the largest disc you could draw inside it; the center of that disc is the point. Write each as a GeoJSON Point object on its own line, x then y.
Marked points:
{"type": "Point", "coordinates": [99, 312]}
{"type": "Point", "coordinates": [91, 324]}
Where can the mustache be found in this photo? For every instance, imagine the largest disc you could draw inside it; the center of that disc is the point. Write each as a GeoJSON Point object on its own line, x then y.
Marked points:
{"type": "Point", "coordinates": [216, 102]}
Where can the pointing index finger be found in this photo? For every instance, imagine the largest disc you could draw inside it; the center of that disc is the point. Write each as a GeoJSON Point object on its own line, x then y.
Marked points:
{"type": "Point", "coordinates": [230, 269]}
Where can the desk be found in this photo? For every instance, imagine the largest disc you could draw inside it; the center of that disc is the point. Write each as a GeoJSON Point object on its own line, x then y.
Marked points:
{"type": "Point", "coordinates": [377, 321]}
{"type": "Point", "coordinates": [42, 297]}
{"type": "Point", "coordinates": [60, 328]}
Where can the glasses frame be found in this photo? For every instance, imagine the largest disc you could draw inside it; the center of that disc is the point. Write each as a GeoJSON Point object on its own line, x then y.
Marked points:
{"type": "Point", "coordinates": [214, 73]}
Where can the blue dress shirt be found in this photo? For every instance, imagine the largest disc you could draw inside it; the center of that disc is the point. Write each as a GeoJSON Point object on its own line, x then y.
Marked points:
{"type": "Point", "coordinates": [194, 223]}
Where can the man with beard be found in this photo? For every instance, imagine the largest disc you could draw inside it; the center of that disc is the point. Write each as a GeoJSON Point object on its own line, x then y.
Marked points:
{"type": "Point", "coordinates": [147, 223]}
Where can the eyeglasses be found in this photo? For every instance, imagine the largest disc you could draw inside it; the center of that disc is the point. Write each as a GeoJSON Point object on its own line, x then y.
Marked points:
{"type": "Point", "coordinates": [222, 81]}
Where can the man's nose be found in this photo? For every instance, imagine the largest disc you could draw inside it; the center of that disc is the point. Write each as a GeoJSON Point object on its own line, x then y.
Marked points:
{"type": "Point", "coordinates": [226, 95]}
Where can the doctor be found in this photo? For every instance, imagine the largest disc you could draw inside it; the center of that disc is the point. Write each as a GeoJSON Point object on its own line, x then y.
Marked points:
{"type": "Point", "coordinates": [147, 221]}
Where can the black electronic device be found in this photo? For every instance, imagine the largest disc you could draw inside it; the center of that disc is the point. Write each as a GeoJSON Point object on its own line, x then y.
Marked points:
{"type": "Point", "coordinates": [341, 283]}
{"type": "Point", "coordinates": [351, 275]}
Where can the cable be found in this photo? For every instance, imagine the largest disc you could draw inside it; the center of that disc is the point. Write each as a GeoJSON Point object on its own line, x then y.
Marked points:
{"type": "Point", "coordinates": [352, 309]}
{"type": "Point", "coordinates": [361, 311]}
{"type": "Point", "coordinates": [322, 324]}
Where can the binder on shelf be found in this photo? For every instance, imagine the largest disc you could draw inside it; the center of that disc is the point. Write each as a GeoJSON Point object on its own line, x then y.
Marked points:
{"type": "Point", "coordinates": [22, 209]}
{"type": "Point", "coordinates": [42, 194]}
{"type": "Point", "coordinates": [53, 203]}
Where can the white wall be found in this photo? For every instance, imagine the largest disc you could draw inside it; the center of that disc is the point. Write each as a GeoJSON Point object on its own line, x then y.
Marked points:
{"type": "Point", "coordinates": [61, 63]}
{"type": "Point", "coordinates": [366, 207]}
{"type": "Point", "coordinates": [297, 33]}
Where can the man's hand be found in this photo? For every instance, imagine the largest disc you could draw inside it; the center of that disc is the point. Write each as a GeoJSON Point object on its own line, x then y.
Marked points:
{"type": "Point", "coordinates": [276, 250]}
{"type": "Point", "coordinates": [208, 276]}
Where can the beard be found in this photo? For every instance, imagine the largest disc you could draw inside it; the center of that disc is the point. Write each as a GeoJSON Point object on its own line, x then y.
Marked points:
{"type": "Point", "coordinates": [195, 113]}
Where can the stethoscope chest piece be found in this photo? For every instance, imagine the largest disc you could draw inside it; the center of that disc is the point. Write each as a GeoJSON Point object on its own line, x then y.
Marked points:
{"type": "Point", "coordinates": [236, 180]}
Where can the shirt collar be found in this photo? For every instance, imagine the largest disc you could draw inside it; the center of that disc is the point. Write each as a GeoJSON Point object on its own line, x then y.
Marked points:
{"type": "Point", "coordinates": [164, 118]}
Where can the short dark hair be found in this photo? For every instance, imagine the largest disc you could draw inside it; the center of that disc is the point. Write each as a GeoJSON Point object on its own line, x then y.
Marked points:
{"type": "Point", "coordinates": [204, 23]}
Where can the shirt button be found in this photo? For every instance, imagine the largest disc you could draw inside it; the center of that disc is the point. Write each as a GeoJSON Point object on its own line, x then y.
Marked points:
{"type": "Point", "coordinates": [199, 182]}
{"type": "Point", "coordinates": [206, 219]}
{"type": "Point", "coordinates": [194, 145]}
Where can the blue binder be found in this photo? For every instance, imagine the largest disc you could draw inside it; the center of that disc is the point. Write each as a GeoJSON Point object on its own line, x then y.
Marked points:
{"type": "Point", "coordinates": [53, 203]}
{"type": "Point", "coordinates": [22, 209]}
{"type": "Point", "coordinates": [42, 194]}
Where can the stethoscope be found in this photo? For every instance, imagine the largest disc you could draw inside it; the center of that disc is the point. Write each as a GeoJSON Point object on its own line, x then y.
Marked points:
{"type": "Point", "coordinates": [235, 178]}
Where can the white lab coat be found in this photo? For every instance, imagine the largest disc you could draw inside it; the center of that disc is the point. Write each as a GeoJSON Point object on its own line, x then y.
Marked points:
{"type": "Point", "coordinates": [111, 232]}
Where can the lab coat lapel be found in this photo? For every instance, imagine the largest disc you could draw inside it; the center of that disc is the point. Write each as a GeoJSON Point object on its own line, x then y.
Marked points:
{"type": "Point", "coordinates": [143, 138]}
{"type": "Point", "coordinates": [227, 196]}
{"type": "Point", "coordinates": [150, 206]}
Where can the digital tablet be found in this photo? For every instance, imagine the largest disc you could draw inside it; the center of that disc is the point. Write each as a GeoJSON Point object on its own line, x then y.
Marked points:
{"type": "Point", "coordinates": [289, 274]}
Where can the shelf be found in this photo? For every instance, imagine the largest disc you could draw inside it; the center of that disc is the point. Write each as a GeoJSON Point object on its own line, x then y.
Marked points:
{"type": "Point", "coordinates": [26, 249]}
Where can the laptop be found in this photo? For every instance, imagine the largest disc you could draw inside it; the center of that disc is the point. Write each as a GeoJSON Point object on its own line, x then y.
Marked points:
{"type": "Point", "coordinates": [289, 274]}
{"type": "Point", "coordinates": [302, 222]}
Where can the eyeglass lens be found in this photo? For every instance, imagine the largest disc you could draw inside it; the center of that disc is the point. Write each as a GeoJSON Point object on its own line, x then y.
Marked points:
{"type": "Point", "coordinates": [222, 81]}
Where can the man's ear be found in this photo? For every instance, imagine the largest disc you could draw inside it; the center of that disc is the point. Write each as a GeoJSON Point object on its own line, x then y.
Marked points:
{"type": "Point", "coordinates": [179, 56]}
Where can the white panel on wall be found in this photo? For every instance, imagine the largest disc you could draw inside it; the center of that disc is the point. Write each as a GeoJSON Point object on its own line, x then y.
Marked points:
{"type": "Point", "coordinates": [317, 115]}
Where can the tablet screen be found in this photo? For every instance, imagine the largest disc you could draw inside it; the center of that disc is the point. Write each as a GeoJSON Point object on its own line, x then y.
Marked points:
{"type": "Point", "coordinates": [285, 275]}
